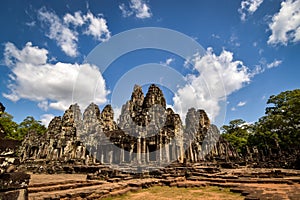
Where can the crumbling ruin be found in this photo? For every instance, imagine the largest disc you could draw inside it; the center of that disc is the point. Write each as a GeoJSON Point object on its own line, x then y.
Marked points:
{"type": "Point", "coordinates": [13, 184]}
{"type": "Point", "coordinates": [149, 141]}
{"type": "Point", "coordinates": [146, 133]}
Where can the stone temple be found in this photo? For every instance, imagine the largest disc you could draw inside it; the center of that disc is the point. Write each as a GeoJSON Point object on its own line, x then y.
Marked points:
{"type": "Point", "coordinates": [145, 133]}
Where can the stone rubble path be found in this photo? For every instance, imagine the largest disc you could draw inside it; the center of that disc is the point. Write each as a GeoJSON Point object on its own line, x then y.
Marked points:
{"type": "Point", "coordinates": [76, 186]}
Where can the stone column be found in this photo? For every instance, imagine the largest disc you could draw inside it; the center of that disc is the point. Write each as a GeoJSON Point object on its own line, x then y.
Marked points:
{"type": "Point", "coordinates": [180, 152]}
{"type": "Point", "coordinates": [104, 154]}
{"type": "Point", "coordinates": [173, 155]}
{"type": "Point", "coordinates": [160, 152]}
{"type": "Point", "coordinates": [191, 153]}
{"type": "Point", "coordinates": [101, 147]}
{"type": "Point", "coordinates": [144, 150]}
{"type": "Point", "coordinates": [130, 154]}
{"type": "Point", "coordinates": [110, 155]}
{"type": "Point", "coordinates": [138, 157]}
{"type": "Point", "coordinates": [167, 151]}
{"type": "Point", "coordinates": [95, 158]}
{"type": "Point", "coordinates": [122, 153]}
{"type": "Point", "coordinates": [196, 153]}
{"type": "Point", "coordinates": [148, 153]}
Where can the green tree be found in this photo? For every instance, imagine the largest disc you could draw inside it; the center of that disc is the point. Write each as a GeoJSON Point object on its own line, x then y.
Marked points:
{"type": "Point", "coordinates": [18, 131]}
{"type": "Point", "coordinates": [29, 124]}
{"type": "Point", "coordinates": [281, 125]}
{"type": "Point", "coordinates": [237, 133]}
{"type": "Point", "coordinates": [9, 126]}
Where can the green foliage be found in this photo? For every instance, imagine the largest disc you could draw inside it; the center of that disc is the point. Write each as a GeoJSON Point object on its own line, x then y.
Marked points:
{"type": "Point", "coordinates": [29, 124]}
{"type": "Point", "coordinates": [237, 133]}
{"type": "Point", "coordinates": [280, 127]}
{"type": "Point", "coordinates": [18, 131]}
{"type": "Point", "coordinates": [9, 126]}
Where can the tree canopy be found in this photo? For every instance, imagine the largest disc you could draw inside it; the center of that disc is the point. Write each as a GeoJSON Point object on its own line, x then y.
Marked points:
{"type": "Point", "coordinates": [237, 133]}
{"type": "Point", "coordinates": [18, 131]}
{"type": "Point", "coordinates": [280, 127]}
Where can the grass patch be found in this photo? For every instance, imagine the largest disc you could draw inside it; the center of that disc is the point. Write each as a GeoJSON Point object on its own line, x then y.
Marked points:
{"type": "Point", "coordinates": [166, 193]}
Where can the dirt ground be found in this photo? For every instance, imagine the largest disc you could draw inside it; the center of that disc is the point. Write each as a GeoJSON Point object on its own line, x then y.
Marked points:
{"type": "Point", "coordinates": [281, 190]}
{"type": "Point", "coordinates": [170, 193]}
{"type": "Point", "coordinates": [53, 178]}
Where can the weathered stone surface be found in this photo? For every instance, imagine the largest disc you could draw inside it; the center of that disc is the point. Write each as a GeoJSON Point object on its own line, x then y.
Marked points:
{"type": "Point", "coordinates": [8, 148]}
{"type": "Point", "coordinates": [13, 184]}
{"type": "Point", "coordinates": [60, 142]}
{"type": "Point", "coordinates": [107, 119]}
{"type": "Point", "coordinates": [147, 132]}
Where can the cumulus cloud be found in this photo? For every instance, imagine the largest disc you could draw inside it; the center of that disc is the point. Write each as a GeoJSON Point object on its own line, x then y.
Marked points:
{"type": "Point", "coordinates": [285, 25]}
{"type": "Point", "coordinates": [248, 7]}
{"type": "Point", "coordinates": [136, 7]}
{"type": "Point", "coordinates": [51, 85]}
{"type": "Point", "coordinates": [46, 118]}
{"type": "Point", "coordinates": [97, 27]}
{"type": "Point", "coordinates": [66, 36]}
{"type": "Point", "coordinates": [76, 19]}
{"type": "Point", "coordinates": [29, 54]}
{"type": "Point", "coordinates": [218, 76]}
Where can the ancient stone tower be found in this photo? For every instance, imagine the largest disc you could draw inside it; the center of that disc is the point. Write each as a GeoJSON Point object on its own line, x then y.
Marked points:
{"type": "Point", "coordinates": [147, 132]}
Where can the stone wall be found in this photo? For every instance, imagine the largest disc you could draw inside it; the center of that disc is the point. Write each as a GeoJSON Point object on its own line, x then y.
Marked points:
{"type": "Point", "coordinates": [146, 132]}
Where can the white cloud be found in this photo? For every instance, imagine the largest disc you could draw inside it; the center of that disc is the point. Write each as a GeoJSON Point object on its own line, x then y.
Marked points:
{"type": "Point", "coordinates": [137, 7]}
{"type": "Point", "coordinates": [76, 20]}
{"type": "Point", "coordinates": [275, 63]}
{"type": "Point", "coordinates": [125, 11]}
{"type": "Point", "coordinates": [46, 118]}
{"type": "Point", "coordinates": [168, 61]}
{"type": "Point", "coordinates": [218, 77]}
{"type": "Point", "coordinates": [248, 7]}
{"type": "Point", "coordinates": [233, 109]}
{"type": "Point", "coordinates": [29, 54]}
{"type": "Point", "coordinates": [30, 24]}
{"type": "Point", "coordinates": [241, 103]}
{"type": "Point", "coordinates": [65, 38]}
{"type": "Point", "coordinates": [263, 66]}
{"type": "Point", "coordinates": [52, 85]}
{"type": "Point", "coordinates": [44, 105]}
{"type": "Point", "coordinates": [285, 25]}
{"type": "Point", "coordinates": [97, 27]}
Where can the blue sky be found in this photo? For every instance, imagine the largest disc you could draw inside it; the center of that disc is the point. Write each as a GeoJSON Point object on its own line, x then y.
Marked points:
{"type": "Point", "coordinates": [253, 45]}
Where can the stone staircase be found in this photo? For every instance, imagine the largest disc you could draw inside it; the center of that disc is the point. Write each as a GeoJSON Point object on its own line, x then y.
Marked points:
{"type": "Point", "coordinates": [253, 184]}
{"type": "Point", "coordinates": [86, 189]}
